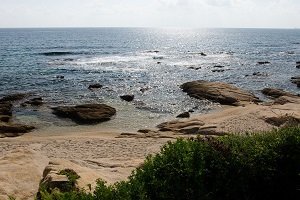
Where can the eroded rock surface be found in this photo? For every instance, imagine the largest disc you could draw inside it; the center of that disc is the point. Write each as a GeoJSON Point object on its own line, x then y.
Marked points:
{"type": "Point", "coordinates": [222, 93]}
{"type": "Point", "coordinates": [87, 113]}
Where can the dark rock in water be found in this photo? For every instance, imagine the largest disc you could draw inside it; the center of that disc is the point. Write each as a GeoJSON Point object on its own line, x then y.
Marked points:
{"type": "Point", "coordinates": [296, 80]}
{"type": "Point", "coordinates": [183, 115]}
{"type": "Point", "coordinates": [153, 51]}
{"type": "Point", "coordinates": [222, 93]}
{"type": "Point", "coordinates": [14, 129]}
{"type": "Point", "coordinates": [298, 63]}
{"type": "Point", "coordinates": [195, 68]}
{"type": "Point", "coordinates": [263, 62]}
{"type": "Point", "coordinates": [60, 77]}
{"type": "Point", "coordinates": [273, 92]}
{"type": "Point", "coordinates": [57, 53]}
{"type": "Point", "coordinates": [6, 108]}
{"type": "Point", "coordinates": [142, 90]}
{"type": "Point", "coordinates": [38, 101]}
{"type": "Point", "coordinates": [217, 70]}
{"type": "Point", "coordinates": [158, 63]}
{"type": "Point", "coordinates": [203, 54]}
{"type": "Point", "coordinates": [218, 66]}
{"type": "Point", "coordinates": [127, 97]}
{"type": "Point", "coordinates": [13, 97]}
{"type": "Point", "coordinates": [259, 74]}
{"type": "Point", "coordinates": [86, 114]}
{"type": "Point", "coordinates": [95, 86]}
{"type": "Point", "coordinates": [158, 57]}
{"type": "Point", "coordinates": [298, 66]}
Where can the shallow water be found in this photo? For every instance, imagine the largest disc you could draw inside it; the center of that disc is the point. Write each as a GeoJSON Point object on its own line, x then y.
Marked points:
{"type": "Point", "coordinates": [126, 60]}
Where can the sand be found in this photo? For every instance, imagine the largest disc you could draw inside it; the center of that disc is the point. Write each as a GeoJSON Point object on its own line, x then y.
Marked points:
{"type": "Point", "coordinates": [109, 155]}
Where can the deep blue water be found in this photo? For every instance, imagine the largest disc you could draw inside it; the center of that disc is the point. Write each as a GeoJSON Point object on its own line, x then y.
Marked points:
{"type": "Point", "coordinates": [123, 61]}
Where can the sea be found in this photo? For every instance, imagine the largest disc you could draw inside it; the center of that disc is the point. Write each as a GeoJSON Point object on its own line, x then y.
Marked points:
{"type": "Point", "coordinates": [149, 63]}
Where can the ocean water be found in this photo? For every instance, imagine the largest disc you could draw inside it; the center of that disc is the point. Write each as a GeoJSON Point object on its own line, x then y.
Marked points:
{"type": "Point", "coordinates": [126, 60]}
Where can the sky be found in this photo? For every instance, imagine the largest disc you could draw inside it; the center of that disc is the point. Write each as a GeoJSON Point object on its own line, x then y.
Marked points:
{"type": "Point", "coordinates": [150, 13]}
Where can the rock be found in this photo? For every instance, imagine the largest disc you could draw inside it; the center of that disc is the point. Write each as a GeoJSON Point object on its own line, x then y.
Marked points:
{"type": "Point", "coordinates": [263, 62]}
{"type": "Point", "coordinates": [284, 100]}
{"type": "Point", "coordinates": [183, 115]}
{"type": "Point", "coordinates": [60, 77]}
{"type": "Point", "coordinates": [218, 66]}
{"type": "Point", "coordinates": [217, 70]}
{"type": "Point", "coordinates": [296, 80]}
{"type": "Point", "coordinates": [158, 63]}
{"type": "Point", "coordinates": [86, 114]}
{"type": "Point", "coordinates": [298, 63]}
{"type": "Point", "coordinates": [284, 120]}
{"type": "Point", "coordinates": [13, 97]}
{"type": "Point", "coordinates": [4, 118]}
{"type": "Point", "coordinates": [222, 93]}
{"type": "Point", "coordinates": [95, 86]}
{"type": "Point", "coordinates": [177, 125]}
{"type": "Point", "coordinates": [38, 101]}
{"type": "Point", "coordinates": [298, 66]}
{"type": "Point", "coordinates": [158, 57]}
{"type": "Point", "coordinates": [127, 97]}
{"type": "Point", "coordinates": [273, 92]}
{"type": "Point", "coordinates": [6, 108]}
{"type": "Point", "coordinates": [195, 68]}
{"type": "Point", "coordinates": [13, 130]}
{"type": "Point", "coordinates": [144, 131]}
{"type": "Point", "coordinates": [64, 180]}
{"type": "Point", "coordinates": [259, 74]}
{"type": "Point", "coordinates": [190, 130]}
{"type": "Point", "coordinates": [142, 90]}
{"type": "Point", "coordinates": [203, 54]}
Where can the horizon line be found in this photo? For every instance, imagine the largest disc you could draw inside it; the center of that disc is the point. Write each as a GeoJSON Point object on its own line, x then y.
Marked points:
{"type": "Point", "coordinates": [147, 27]}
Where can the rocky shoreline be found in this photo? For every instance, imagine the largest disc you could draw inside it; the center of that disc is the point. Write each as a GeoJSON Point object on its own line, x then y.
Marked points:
{"type": "Point", "coordinates": [113, 155]}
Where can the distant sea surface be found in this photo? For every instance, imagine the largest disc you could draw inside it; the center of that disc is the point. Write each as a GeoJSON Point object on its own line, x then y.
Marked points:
{"type": "Point", "coordinates": [149, 63]}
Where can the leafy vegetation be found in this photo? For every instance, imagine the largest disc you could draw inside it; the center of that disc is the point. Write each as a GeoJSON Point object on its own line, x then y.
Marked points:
{"type": "Point", "coordinates": [262, 166]}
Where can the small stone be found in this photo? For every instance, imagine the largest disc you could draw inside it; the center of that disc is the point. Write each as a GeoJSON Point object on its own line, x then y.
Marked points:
{"type": "Point", "coordinates": [183, 115]}
{"type": "Point", "coordinates": [127, 97]}
{"type": "Point", "coordinates": [263, 62]}
{"type": "Point", "coordinates": [60, 77]}
{"type": "Point", "coordinates": [95, 86]}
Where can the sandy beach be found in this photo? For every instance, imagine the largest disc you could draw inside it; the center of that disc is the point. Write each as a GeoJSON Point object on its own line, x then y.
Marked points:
{"type": "Point", "coordinates": [112, 156]}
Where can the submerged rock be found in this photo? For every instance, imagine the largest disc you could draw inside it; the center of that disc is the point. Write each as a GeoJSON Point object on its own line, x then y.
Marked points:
{"type": "Point", "coordinates": [263, 62]}
{"type": "Point", "coordinates": [38, 101]}
{"type": "Point", "coordinates": [127, 97]}
{"type": "Point", "coordinates": [222, 93]}
{"type": "Point", "coordinates": [259, 74]}
{"type": "Point", "coordinates": [217, 70]}
{"type": "Point", "coordinates": [13, 97]}
{"type": "Point", "coordinates": [60, 77]}
{"type": "Point", "coordinates": [95, 86]}
{"type": "Point", "coordinates": [218, 66]}
{"type": "Point", "coordinates": [86, 114]}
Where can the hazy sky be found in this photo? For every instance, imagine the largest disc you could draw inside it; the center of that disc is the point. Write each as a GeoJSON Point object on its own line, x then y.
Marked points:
{"type": "Point", "coordinates": [150, 13]}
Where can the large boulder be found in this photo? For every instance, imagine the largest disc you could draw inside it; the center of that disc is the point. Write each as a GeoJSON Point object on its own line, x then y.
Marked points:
{"type": "Point", "coordinates": [14, 130]}
{"type": "Point", "coordinates": [13, 97]}
{"type": "Point", "coordinates": [273, 92]}
{"type": "Point", "coordinates": [86, 114]}
{"type": "Point", "coordinates": [222, 93]}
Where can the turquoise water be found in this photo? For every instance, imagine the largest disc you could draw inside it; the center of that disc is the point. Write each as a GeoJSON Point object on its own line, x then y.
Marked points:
{"type": "Point", "coordinates": [126, 60]}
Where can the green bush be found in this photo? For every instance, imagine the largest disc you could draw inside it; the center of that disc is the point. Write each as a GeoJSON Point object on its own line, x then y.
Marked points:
{"type": "Point", "coordinates": [263, 166]}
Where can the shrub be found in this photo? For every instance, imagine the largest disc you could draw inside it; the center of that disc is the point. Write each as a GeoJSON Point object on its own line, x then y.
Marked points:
{"type": "Point", "coordinates": [262, 166]}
